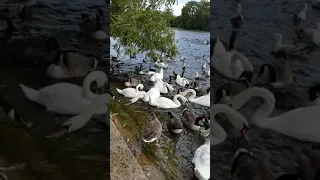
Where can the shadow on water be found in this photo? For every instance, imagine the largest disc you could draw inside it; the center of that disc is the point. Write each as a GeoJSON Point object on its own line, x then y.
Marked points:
{"type": "Point", "coordinates": [79, 155]}
{"type": "Point", "coordinates": [173, 160]}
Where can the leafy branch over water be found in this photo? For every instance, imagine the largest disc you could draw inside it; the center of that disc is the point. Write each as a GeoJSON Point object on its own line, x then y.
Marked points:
{"type": "Point", "coordinates": [139, 26]}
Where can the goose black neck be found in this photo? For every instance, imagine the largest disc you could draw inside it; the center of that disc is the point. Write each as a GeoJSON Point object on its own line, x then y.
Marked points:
{"type": "Point", "coordinates": [140, 67]}
{"type": "Point", "coordinates": [272, 72]}
{"type": "Point", "coordinates": [198, 119]}
{"type": "Point", "coordinates": [182, 74]}
{"type": "Point", "coordinates": [232, 39]}
{"type": "Point", "coordinates": [219, 93]}
{"type": "Point", "coordinates": [170, 114]}
{"type": "Point", "coordinates": [312, 92]}
{"type": "Point", "coordinates": [98, 21]}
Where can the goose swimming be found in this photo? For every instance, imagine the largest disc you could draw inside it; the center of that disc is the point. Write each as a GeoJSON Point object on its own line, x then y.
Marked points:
{"type": "Point", "coordinates": [289, 123]}
{"type": "Point", "coordinates": [280, 74]}
{"type": "Point", "coordinates": [237, 20]}
{"type": "Point", "coordinates": [92, 27]}
{"type": "Point", "coordinates": [66, 98]}
{"type": "Point", "coordinates": [301, 14]}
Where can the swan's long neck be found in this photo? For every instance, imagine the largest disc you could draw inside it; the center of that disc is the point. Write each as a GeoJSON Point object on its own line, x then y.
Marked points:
{"type": "Point", "coordinates": [138, 87]}
{"type": "Point", "coordinates": [268, 102]}
{"type": "Point", "coordinates": [96, 103]}
{"type": "Point", "coordinates": [218, 132]}
{"type": "Point", "coordinates": [175, 99]}
{"type": "Point", "coordinates": [193, 95]}
{"type": "Point", "coordinates": [87, 87]}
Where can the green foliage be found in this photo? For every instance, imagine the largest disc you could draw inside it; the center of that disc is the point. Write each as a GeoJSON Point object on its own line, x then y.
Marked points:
{"type": "Point", "coordinates": [194, 15]}
{"type": "Point", "coordinates": [139, 26]}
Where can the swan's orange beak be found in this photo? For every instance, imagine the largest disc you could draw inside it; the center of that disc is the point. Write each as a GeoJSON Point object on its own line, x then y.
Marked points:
{"type": "Point", "coordinates": [244, 132]}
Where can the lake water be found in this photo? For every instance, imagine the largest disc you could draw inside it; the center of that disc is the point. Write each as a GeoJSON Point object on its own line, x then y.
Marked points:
{"type": "Point", "coordinates": [262, 20]}
{"type": "Point", "coordinates": [173, 159]}
{"type": "Point", "coordinates": [80, 155]}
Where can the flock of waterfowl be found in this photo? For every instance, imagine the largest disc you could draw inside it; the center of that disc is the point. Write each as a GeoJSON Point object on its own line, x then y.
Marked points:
{"type": "Point", "coordinates": [160, 95]}
{"type": "Point", "coordinates": [299, 122]}
{"type": "Point", "coordinates": [63, 98]}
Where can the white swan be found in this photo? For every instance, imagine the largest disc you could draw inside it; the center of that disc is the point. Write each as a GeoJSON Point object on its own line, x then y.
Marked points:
{"type": "Point", "coordinates": [80, 120]}
{"type": "Point", "coordinates": [302, 13]}
{"type": "Point", "coordinates": [71, 64]}
{"type": "Point", "coordinates": [158, 75]}
{"type": "Point", "coordinates": [145, 96]}
{"type": "Point", "coordinates": [130, 92]}
{"type": "Point", "coordinates": [231, 63]}
{"type": "Point", "coordinates": [218, 134]}
{"type": "Point", "coordinates": [181, 81]}
{"type": "Point", "coordinates": [300, 123]}
{"type": "Point", "coordinates": [66, 98]}
{"type": "Point", "coordinates": [163, 86]}
{"type": "Point", "coordinates": [160, 64]}
{"type": "Point", "coordinates": [287, 48]}
{"type": "Point", "coordinates": [201, 161]}
{"type": "Point", "coordinates": [166, 103]}
{"type": "Point", "coordinates": [311, 35]}
{"type": "Point", "coordinates": [202, 100]}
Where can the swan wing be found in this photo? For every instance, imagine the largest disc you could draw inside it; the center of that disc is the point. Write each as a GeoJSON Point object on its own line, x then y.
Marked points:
{"type": "Point", "coordinates": [301, 123]}
{"type": "Point", "coordinates": [165, 103]}
{"type": "Point", "coordinates": [219, 48]}
{"type": "Point", "coordinates": [202, 100]}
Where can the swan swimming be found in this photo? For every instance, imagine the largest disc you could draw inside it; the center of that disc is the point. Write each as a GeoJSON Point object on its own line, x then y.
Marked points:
{"type": "Point", "coordinates": [66, 98]}
{"type": "Point", "coordinates": [310, 35]}
{"type": "Point", "coordinates": [202, 100]}
{"type": "Point", "coordinates": [301, 14]}
{"type": "Point", "coordinates": [229, 64]}
{"type": "Point", "coordinates": [80, 120]}
{"type": "Point", "coordinates": [130, 92]}
{"type": "Point", "coordinates": [166, 103]}
{"type": "Point", "coordinates": [301, 123]}
{"type": "Point", "coordinates": [158, 75]}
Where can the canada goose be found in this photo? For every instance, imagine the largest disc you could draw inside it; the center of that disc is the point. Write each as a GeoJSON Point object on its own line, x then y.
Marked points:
{"type": "Point", "coordinates": [280, 74]}
{"type": "Point", "coordinates": [188, 120]}
{"type": "Point", "coordinates": [36, 51]}
{"type": "Point", "coordinates": [12, 112]}
{"type": "Point", "coordinates": [92, 29]}
{"type": "Point", "coordinates": [132, 82]}
{"type": "Point", "coordinates": [237, 19]}
{"type": "Point", "coordinates": [71, 64]}
{"type": "Point", "coordinates": [246, 166]}
{"type": "Point", "coordinates": [230, 89]}
{"type": "Point", "coordinates": [196, 85]}
{"type": "Point", "coordinates": [153, 130]}
{"type": "Point", "coordinates": [301, 14]}
{"type": "Point", "coordinates": [173, 123]}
